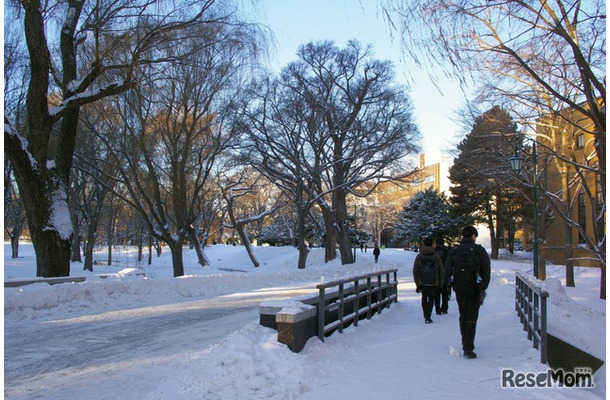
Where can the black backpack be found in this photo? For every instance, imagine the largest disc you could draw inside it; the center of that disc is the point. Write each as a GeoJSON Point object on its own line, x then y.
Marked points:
{"type": "Point", "coordinates": [442, 253]}
{"type": "Point", "coordinates": [427, 270]}
{"type": "Point", "coordinates": [465, 270]}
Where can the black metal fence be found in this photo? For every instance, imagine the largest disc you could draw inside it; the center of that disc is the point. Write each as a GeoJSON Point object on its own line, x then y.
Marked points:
{"type": "Point", "coordinates": [530, 304]}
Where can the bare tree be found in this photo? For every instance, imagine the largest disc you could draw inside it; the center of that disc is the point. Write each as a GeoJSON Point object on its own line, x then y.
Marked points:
{"type": "Point", "coordinates": [14, 217]}
{"type": "Point", "coordinates": [331, 121]}
{"type": "Point", "coordinates": [92, 185]}
{"type": "Point", "coordinates": [235, 191]}
{"type": "Point", "coordinates": [171, 138]}
{"type": "Point", "coordinates": [383, 206]}
{"type": "Point", "coordinates": [15, 73]}
{"type": "Point", "coordinates": [367, 123]}
{"type": "Point", "coordinates": [280, 136]}
{"type": "Point", "coordinates": [79, 52]}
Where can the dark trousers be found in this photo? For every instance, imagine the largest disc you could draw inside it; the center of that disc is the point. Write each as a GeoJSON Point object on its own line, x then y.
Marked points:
{"type": "Point", "coordinates": [428, 293]}
{"type": "Point", "coordinates": [441, 301]}
{"type": "Point", "coordinates": [469, 313]}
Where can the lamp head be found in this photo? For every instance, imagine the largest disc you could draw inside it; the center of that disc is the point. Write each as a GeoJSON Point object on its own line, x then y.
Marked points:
{"type": "Point", "coordinates": [516, 162]}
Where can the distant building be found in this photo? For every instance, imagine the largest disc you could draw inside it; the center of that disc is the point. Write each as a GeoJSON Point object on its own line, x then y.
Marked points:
{"type": "Point", "coordinates": [434, 172]}
{"type": "Point", "coordinates": [380, 209]}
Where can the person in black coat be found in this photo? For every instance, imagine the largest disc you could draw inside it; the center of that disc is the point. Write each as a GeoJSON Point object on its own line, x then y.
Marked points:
{"type": "Point", "coordinates": [441, 301]}
{"type": "Point", "coordinates": [376, 253]}
{"type": "Point", "coordinates": [428, 276]}
{"type": "Point", "coordinates": [469, 269]}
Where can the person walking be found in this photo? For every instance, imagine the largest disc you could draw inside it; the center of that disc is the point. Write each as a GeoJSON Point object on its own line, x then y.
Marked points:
{"type": "Point", "coordinates": [376, 253]}
{"type": "Point", "coordinates": [428, 275]}
{"type": "Point", "coordinates": [469, 269]}
{"type": "Point", "coordinates": [441, 301]}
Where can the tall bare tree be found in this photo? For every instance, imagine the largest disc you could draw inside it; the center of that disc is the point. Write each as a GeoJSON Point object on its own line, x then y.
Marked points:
{"type": "Point", "coordinates": [92, 184]}
{"type": "Point", "coordinates": [170, 138]}
{"type": "Point", "coordinates": [281, 136]}
{"type": "Point", "coordinates": [335, 120]}
{"type": "Point", "coordinates": [367, 120]}
{"type": "Point", "coordinates": [79, 52]}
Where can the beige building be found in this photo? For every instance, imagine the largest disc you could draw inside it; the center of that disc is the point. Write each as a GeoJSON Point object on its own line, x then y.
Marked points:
{"type": "Point", "coordinates": [576, 189]}
{"type": "Point", "coordinates": [434, 172]}
{"type": "Point", "coordinates": [378, 211]}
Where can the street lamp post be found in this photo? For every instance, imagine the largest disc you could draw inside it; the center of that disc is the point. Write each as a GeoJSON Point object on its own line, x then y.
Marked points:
{"type": "Point", "coordinates": [516, 163]}
{"type": "Point", "coordinates": [355, 231]}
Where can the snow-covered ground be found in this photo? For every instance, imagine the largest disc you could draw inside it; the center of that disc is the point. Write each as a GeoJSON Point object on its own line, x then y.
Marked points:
{"type": "Point", "coordinates": [198, 337]}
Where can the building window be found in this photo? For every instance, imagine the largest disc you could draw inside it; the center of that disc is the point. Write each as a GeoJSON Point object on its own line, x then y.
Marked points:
{"type": "Point", "coordinates": [580, 141]}
{"type": "Point", "coordinates": [582, 216]}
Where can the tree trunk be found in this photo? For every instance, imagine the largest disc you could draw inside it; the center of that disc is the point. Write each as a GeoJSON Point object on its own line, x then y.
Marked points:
{"type": "Point", "coordinates": [345, 244]}
{"type": "Point", "coordinates": [203, 260]}
{"type": "Point", "coordinates": [602, 283]}
{"type": "Point", "coordinates": [492, 233]}
{"type": "Point", "coordinates": [110, 232]}
{"type": "Point", "coordinates": [43, 201]}
{"type": "Point", "coordinates": [88, 265]}
{"type": "Point", "coordinates": [150, 246]}
{"type": "Point", "coordinates": [330, 240]}
{"type": "Point", "coordinates": [76, 256]}
{"type": "Point", "coordinates": [52, 254]}
{"type": "Point", "coordinates": [541, 267]}
{"type": "Point", "coordinates": [569, 266]}
{"type": "Point", "coordinates": [91, 239]}
{"type": "Point", "coordinates": [177, 262]}
{"type": "Point", "coordinates": [567, 231]}
{"type": "Point", "coordinates": [15, 246]}
{"type": "Point", "coordinates": [76, 239]}
{"type": "Point", "coordinates": [140, 246]}
{"type": "Point", "coordinates": [301, 245]}
{"type": "Point", "coordinates": [241, 231]}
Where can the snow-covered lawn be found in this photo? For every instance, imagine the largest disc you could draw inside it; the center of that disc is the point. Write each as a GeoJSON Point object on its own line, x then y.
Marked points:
{"type": "Point", "coordinates": [198, 337]}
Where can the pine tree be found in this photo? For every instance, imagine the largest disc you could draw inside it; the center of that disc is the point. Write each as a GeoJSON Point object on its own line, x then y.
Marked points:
{"type": "Point", "coordinates": [427, 214]}
{"type": "Point", "coordinates": [480, 174]}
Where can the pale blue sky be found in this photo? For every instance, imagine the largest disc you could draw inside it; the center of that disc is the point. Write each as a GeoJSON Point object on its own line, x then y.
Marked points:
{"type": "Point", "coordinates": [295, 22]}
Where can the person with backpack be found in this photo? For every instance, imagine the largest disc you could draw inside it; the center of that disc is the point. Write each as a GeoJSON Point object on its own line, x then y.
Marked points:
{"type": "Point", "coordinates": [443, 295]}
{"type": "Point", "coordinates": [428, 276]}
{"type": "Point", "coordinates": [469, 269]}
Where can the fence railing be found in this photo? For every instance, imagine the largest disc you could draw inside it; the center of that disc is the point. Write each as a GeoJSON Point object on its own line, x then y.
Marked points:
{"type": "Point", "coordinates": [357, 296]}
{"type": "Point", "coordinates": [530, 304]}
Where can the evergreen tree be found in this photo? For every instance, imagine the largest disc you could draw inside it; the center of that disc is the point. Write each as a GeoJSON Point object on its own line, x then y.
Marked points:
{"type": "Point", "coordinates": [427, 214]}
{"type": "Point", "coordinates": [481, 173]}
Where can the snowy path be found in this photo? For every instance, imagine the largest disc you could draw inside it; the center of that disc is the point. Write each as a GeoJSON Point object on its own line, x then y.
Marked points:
{"type": "Point", "coordinates": [69, 354]}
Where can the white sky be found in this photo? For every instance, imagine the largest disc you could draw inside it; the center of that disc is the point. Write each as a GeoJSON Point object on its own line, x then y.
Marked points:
{"type": "Point", "coordinates": [295, 22]}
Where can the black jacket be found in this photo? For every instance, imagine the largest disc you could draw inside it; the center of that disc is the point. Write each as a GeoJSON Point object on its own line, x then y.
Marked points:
{"type": "Point", "coordinates": [443, 252]}
{"type": "Point", "coordinates": [481, 260]}
{"type": "Point", "coordinates": [428, 250]}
